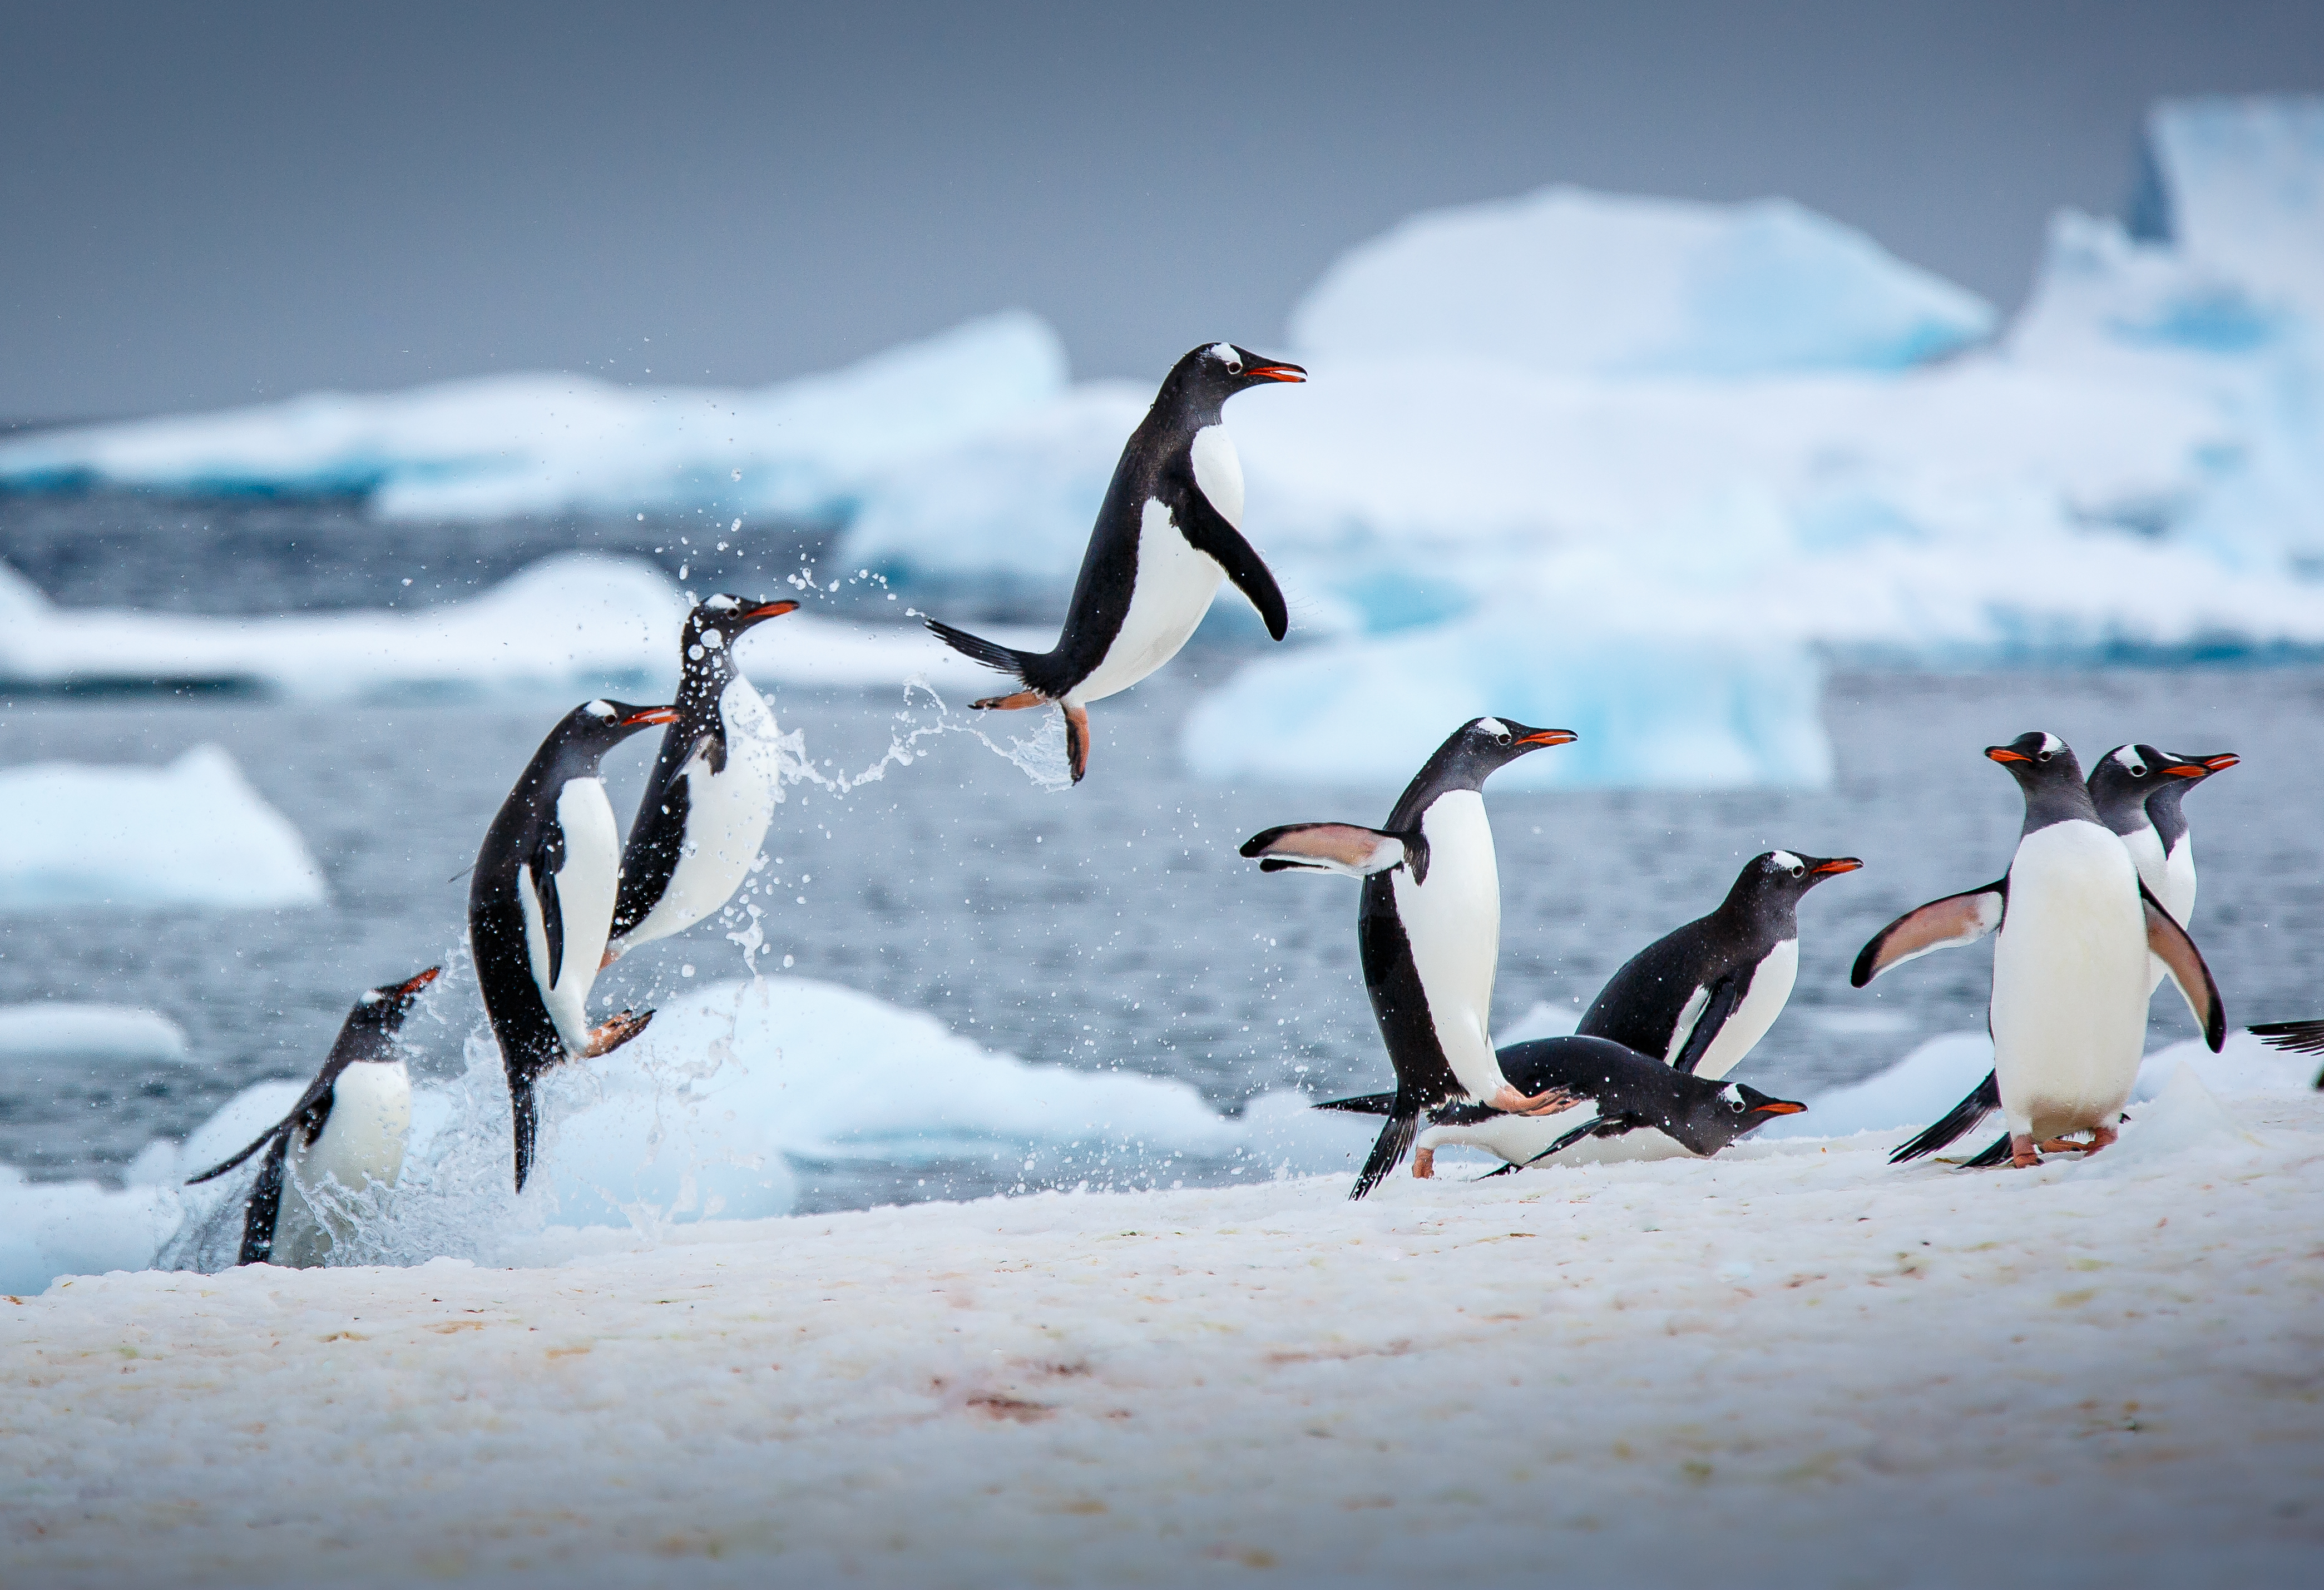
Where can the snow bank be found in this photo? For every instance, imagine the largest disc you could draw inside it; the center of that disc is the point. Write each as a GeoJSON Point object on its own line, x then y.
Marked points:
{"type": "Point", "coordinates": [191, 834]}
{"type": "Point", "coordinates": [1571, 282]}
{"type": "Point", "coordinates": [1789, 1365]}
{"type": "Point", "coordinates": [64, 1030]}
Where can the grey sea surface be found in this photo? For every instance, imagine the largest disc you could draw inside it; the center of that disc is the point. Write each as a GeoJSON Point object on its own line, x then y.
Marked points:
{"type": "Point", "coordinates": [1112, 925]}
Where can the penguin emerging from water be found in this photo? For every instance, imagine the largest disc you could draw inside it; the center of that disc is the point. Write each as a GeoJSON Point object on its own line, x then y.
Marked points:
{"type": "Point", "coordinates": [2068, 1005]}
{"type": "Point", "coordinates": [1428, 929]}
{"type": "Point", "coordinates": [2129, 786]}
{"type": "Point", "coordinates": [1699, 998]}
{"type": "Point", "coordinates": [1621, 1092]}
{"type": "Point", "coordinates": [1169, 530]}
{"type": "Point", "coordinates": [347, 1128]}
{"type": "Point", "coordinates": [712, 789]}
{"type": "Point", "coordinates": [541, 906]}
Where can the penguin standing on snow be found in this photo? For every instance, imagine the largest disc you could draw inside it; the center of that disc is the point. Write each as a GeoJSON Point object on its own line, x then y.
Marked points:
{"type": "Point", "coordinates": [1428, 929]}
{"type": "Point", "coordinates": [1623, 1094]}
{"type": "Point", "coordinates": [2068, 1007]}
{"type": "Point", "coordinates": [541, 906]}
{"type": "Point", "coordinates": [1701, 996]}
{"type": "Point", "coordinates": [713, 790]}
{"type": "Point", "coordinates": [347, 1128]}
{"type": "Point", "coordinates": [1169, 530]}
{"type": "Point", "coordinates": [2128, 787]}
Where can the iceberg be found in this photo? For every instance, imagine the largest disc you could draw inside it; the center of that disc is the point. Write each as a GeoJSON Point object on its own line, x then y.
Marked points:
{"type": "Point", "coordinates": [193, 833]}
{"type": "Point", "coordinates": [65, 1030]}
{"type": "Point", "coordinates": [1566, 281]}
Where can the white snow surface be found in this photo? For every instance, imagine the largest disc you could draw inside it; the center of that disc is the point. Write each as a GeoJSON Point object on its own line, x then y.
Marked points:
{"type": "Point", "coordinates": [1571, 282]}
{"type": "Point", "coordinates": [67, 1029]}
{"type": "Point", "coordinates": [1791, 1364]}
{"type": "Point", "coordinates": [193, 833]}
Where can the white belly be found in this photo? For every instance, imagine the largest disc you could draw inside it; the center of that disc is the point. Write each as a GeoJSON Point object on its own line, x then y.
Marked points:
{"type": "Point", "coordinates": [1755, 1013]}
{"type": "Point", "coordinates": [2178, 891]}
{"type": "Point", "coordinates": [1173, 591]}
{"type": "Point", "coordinates": [361, 1142]}
{"type": "Point", "coordinates": [2145, 848]}
{"type": "Point", "coordinates": [2069, 982]}
{"type": "Point", "coordinates": [1454, 925]}
{"type": "Point", "coordinates": [586, 888]}
{"type": "Point", "coordinates": [727, 815]}
{"type": "Point", "coordinates": [1519, 1139]}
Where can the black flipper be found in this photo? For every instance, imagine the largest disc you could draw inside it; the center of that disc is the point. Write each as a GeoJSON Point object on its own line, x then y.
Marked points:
{"type": "Point", "coordinates": [1940, 924]}
{"type": "Point", "coordinates": [1981, 1101]}
{"type": "Point", "coordinates": [2296, 1037]}
{"type": "Point", "coordinates": [991, 653]}
{"type": "Point", "coordinates": [279, 1129]}
{"type": "Point", "coordinates": [265, 1206]}
{"type": "Point", "coordinates": [1724, 995]}
{"type": "Point", "coordinates": [524, 1116]}
{"type": "Point", "coordinates": [1349, 849]}
{"type": "Point", "coordinates": [547, 859]}
{"type": "Point", "coordinates": [1595, 1126]}
{"type": "Point", "coordinates": [1363, 1104]}
{"type": "Point", "coordinates": [657, 841]}
{"type": "Point", "coordinates": [1207, 531]}
{"type": "Point", "coordinates": [1402, 1126]}
{"type": "Point", "coordinates": [2177, 951]}
{"type": "Point", "coordinates": [1499, 1170]}
{"type": "Point", "coordinates": [1995, 1153]}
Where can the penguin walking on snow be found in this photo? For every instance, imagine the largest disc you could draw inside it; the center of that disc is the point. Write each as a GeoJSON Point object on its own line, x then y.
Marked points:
{"type": "Point", "coordinates": [2076, 925]}
{"type": "Point", "coordinates": [347, 1128]}
{"type": "Point", "coordinates": [541, 906]}
{"type": "Point", "coordinates": [1701, 996]}
{"type": "Point", "coordinates": [1428, 929]}
{"type": "Point", "coordinates": [1169, 530]}
{"type": "Point", "coordinates": [2135, 790]}
{"type": "Point", "coordinates": [1623, 1095]}
{"type": "Point", "coordinates": [712, 789]}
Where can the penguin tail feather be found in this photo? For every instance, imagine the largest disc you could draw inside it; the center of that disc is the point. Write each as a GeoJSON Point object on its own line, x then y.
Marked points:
{"type": "Point", "coordinates": [1403, 1125]}
{"type": "Point", "coordinates": [1995, 1153]}
{"type": "Point", "coordinates": [991, 653]}
{"type": "Point", "coordinates": [1363, 1104]}
{"type": "Point", "coordinates": [1961, 1119]}
{"type": "Point", "coordinates": [264, 1208]}
{"type": "Point", "coordinates": [2299, 1037]}
{"type": "Point", "coordinates": [524, 1117]}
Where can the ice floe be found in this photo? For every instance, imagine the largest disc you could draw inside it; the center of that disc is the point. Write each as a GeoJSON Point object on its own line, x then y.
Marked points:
{"type": "Point", "coordinates": [191, 834]}
{"type": "Point", "coordinates": [62, 1029]}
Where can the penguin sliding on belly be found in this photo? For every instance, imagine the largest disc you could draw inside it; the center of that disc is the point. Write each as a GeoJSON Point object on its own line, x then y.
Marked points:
{"type": "Point", "coordinates": [1700, 997]}
{"type": "Point", "coordinates": [2130, 785]}
{"type": "Point", "coordinates": [1623, 1094]}
{"type": "Point", "coordinates": [1169, 530]}
{"type": "Point", "coordinates": [541, 906]}
{"type": "Point", "coordinates": [712, 789]}
{"type": "Point", "coordinates": [1428, 929]}
{"type": "Point", "coordinates": [346, 1129]}
{"type": "Point", "coordinates": [2076, 925]}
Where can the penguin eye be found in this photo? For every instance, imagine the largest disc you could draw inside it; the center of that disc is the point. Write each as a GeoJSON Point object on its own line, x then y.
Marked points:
{"type": "Point", "coordinates": [1503, 737]}
{"type": "Point", "coordinates": [2138, 770]}
{"type": "Point", "coordinates": [1799, 872]}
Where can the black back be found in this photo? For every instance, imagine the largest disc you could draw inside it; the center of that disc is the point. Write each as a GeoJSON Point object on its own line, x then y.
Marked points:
{"type": "Point", "coordinates": [1631, 1090]}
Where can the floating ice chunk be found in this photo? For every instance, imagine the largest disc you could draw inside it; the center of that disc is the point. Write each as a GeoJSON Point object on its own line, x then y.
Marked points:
{"type": "Point", "coordinates": [191, 834]}
{"type": "Point", "coordinates": [53, 1228]}
{"type": "Point", "coordinates": [64, 1030]}
{"type": "Point", "coordinates": [1913, 1092]}
{"type": "Point", "coordinates": [1569, 281]}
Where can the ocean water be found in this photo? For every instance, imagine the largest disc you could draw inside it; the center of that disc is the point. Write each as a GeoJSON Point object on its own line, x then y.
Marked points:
{"type": "Point", "coordinates": [1110, 926]}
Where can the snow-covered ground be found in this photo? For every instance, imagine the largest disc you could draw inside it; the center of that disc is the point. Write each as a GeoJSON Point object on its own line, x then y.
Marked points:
{"type": "Point", "coordinates": [1792, 1364]}
{"type": "Point", "coordinates": [191, 834]}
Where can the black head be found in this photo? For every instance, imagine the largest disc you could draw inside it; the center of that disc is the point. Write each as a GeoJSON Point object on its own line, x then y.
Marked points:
{"type": "Point", "coordinates": [2174, 775]}
{"type": "Point", "coordinates": [1738, 1108]}
{"type": "Point", "coordinates": [2119, 784]}
{"type": "Point", "coordinates": [1199, 384]}
{"type": "Point", "coordinates": [370, 1026]}
{"type": "Point", "coordinates": [2045, 770]}
{"type": "Point", "coordinates": [1777, 879]}
{"type": "Point", "coordinates": [1472, 754]}
{"type": "Point", "coordinates": [718, 622]}
{"type": "Point", "coordinates": [596, 727]}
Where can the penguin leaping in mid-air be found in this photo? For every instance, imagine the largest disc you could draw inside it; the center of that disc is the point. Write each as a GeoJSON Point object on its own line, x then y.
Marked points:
{"type": "Point", "coordinates": [541, 906]}
{"type": "Point", "coordinates": [1623, 1094]}
{"type": "Point", "coordinates": [2130, 785]}
{"type": "Point", "coordinates": [712, 789]}
{"type": "Point", "coordinates": [1169, 530]}
{"type": "Point", "coordinates": [347, 1128]}
{"type": "Point", "coordinates": [1428, 929]}
{"type": "Point", "coordinates": [2076, 925]}
{"type": "Point", "coordinates": [1701, 995]}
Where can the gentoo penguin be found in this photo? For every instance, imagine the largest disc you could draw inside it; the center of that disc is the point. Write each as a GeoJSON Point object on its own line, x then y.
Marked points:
{"type": "Point", "coordinates": [347, 1128]}
{"type": "Point", "coordinates": [1169, 530]}
{"type": "Point", "coordinates": [1620, 1090]}
{"type": "Point", "coordinates": [713, 790]}
{"type": "Point", "coordinates": [2128, 784]}
{"type": "Point", "coordinates": [541, 906]}
{"type": "Point", "coordinates": [1699, 998]}
{"type": "Point", "coordinates": [2068, 1005]}
{"type": "Point", "coordinates": [1429, 927]}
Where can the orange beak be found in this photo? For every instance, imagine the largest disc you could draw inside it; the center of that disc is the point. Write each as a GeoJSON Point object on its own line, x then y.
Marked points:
{"type": "Point", "coordinates": [1551, 737]}
{"type": "Point", "coordinates": [773, 610]}
{"type": "Point", "coordinates": [2222, 762]}
{"type": "Point", "coordinates": [651, 715]}
{"type": "Point", "coordinates": [1780, 1107]}
{"type": "Point", "coordinates": [420, 982]}
{"type": "Point", "coordinates": [1837, 864]}
{"type": "Point", "coordinates": [1290, 372]}
{"type": "Point", "coordinates": [2002, 753]}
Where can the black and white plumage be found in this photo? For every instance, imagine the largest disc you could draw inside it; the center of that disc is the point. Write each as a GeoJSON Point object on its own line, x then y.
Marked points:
{"type": "Point", "coordinates": [2076, 925]}
{"type": "Point", "coordinates": [346, 1129]}
{"type": "Point", "coordinates": [2129, 786]}
{"type": "Point", "coordinates": [1622, 1094]}
{"type": "Point", "coordinates": [1428, 928]}
{"type": "Point", "coordinates": [712, 789]}
{"type": "Point", "coordinates": [1169, 530]}
{"type": "Point", "coordinates": [1701, 996]}
{"type": "Point", "coordinates": [541, 906]}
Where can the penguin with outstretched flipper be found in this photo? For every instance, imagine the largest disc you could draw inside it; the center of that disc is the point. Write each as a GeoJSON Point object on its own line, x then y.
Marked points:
{"type": "Point", "coordinates": [1428, 929]}
{"type": "Point", "coordinates": [348, 1127]}
{"type": "Point", "coordinates": [2075, 925]}
{"type": "Point", "coordinates": [1701, 995]}
{"type": "Point", "coordinates": [541, 906]}
{"type": "Point", "coordinates": [713, 788]}
{"type": "Point", "coordinates": [1169, 530]}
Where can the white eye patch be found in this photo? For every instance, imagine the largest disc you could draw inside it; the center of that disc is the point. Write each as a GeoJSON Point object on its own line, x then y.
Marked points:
{"type": "Point", "coordinates": [1492, 726]}
{"type": "Point", "coordinates": [598, 708]}
{"type": "Point", "coordinates": [2129, 760]}
{"type": "Point", "coordinates": [723, 603]}
{"type": "Point", "coordinates": [1786, 860]}
{"type": "Point", "coordinates": [2050, 742]}
{"type": "Point", "coordinates": [1225, 354]}
{"type": "Point", "coordinates": [1730, 1094]}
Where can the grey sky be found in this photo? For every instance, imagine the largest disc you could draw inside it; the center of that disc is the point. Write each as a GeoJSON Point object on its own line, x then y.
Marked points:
{"type": "Point", "coordinates": [206, 204]}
